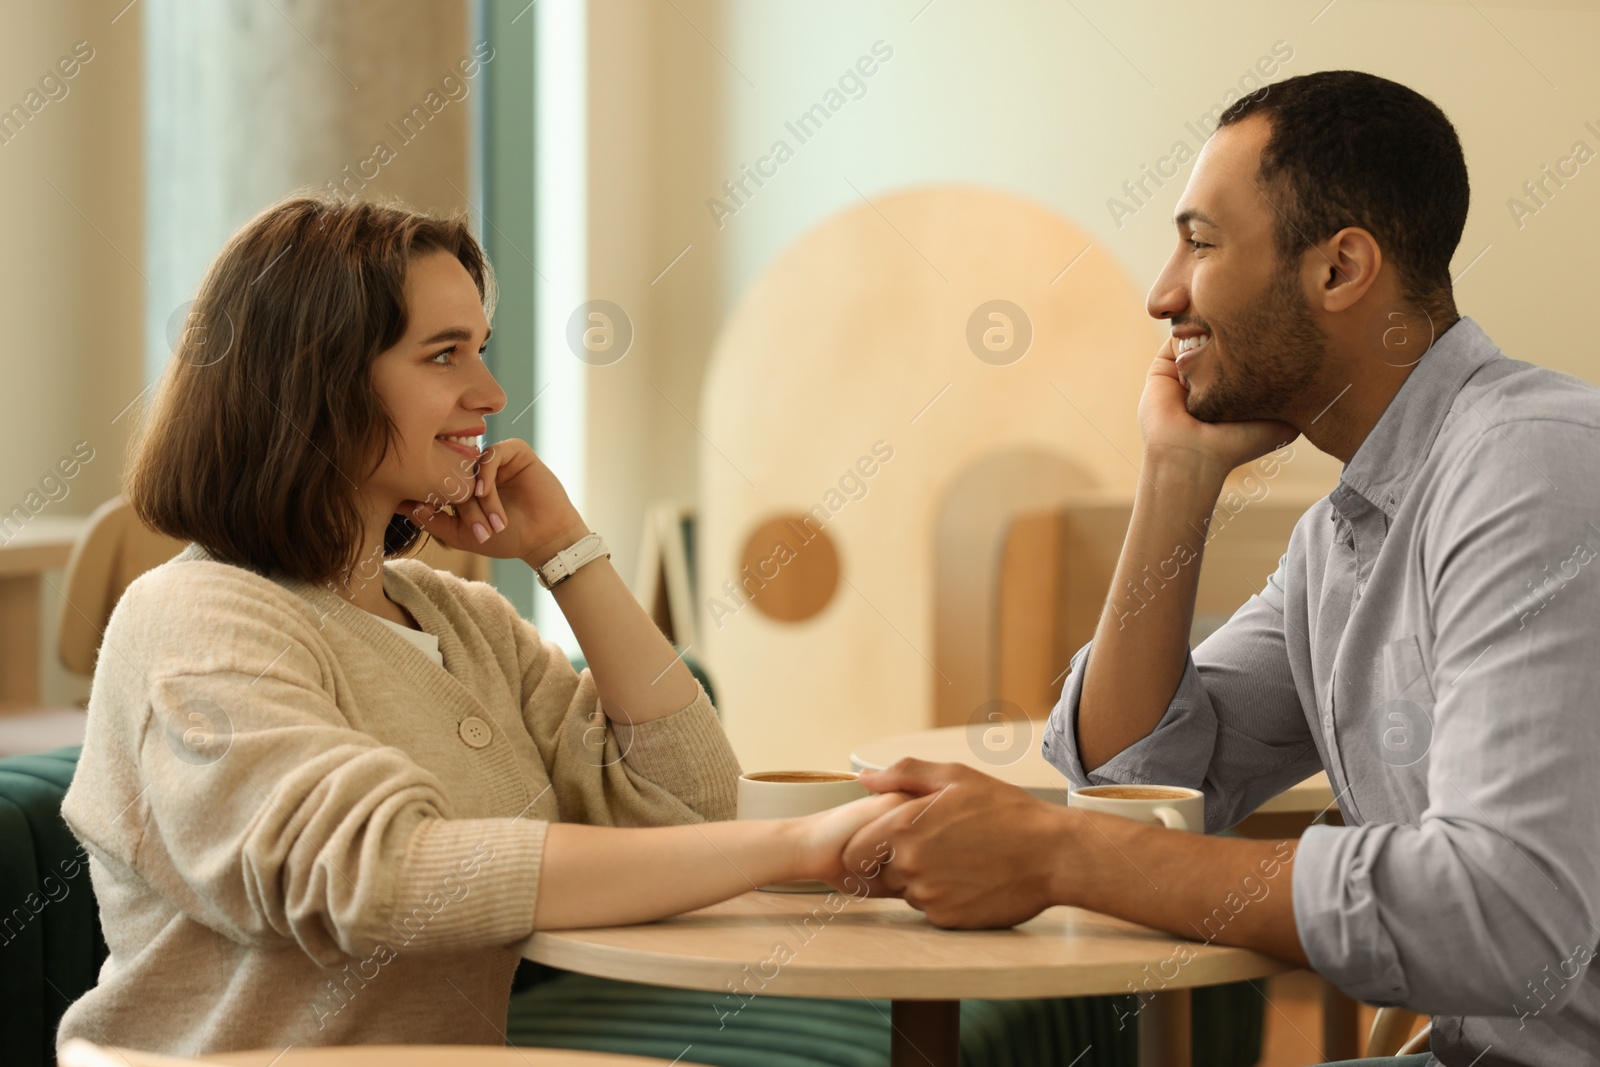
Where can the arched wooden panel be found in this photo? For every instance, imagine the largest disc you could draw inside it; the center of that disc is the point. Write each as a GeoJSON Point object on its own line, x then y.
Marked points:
{"type": "Point", "coordinates": [879, 356]}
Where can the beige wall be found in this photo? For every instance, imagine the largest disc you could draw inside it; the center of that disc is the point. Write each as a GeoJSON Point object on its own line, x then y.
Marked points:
{"type": "Point", "coordinates": [71, 281]}
{"type": "Point", "coordinates": [1059, 106]}
{"type": "Point", "coordinates": [1058, 103]}
{"type": "Point", "coordinates": [656, 131]}
{"type": "Point", "coordinates": [71, 277]}
{"type": "Point", "coordinates": [249, 102]}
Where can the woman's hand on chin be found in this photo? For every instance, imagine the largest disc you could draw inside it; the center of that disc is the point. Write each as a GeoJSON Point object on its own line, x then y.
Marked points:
{"type": "Point", "coordinates": [518, 509]}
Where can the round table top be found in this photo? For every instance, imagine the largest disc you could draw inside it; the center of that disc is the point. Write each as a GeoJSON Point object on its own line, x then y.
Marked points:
{"type": "Point", "coordinates": [834, 945]}
{"type": "Point", "coordinates": [1010, 752]}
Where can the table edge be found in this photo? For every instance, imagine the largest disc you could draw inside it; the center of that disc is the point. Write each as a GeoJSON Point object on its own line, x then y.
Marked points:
{"type": "Point", "coordinates": [798, 980]}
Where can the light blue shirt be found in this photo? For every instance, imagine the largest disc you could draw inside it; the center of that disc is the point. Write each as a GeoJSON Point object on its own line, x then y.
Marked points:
{"type": "Point", "coordinates": [1431, 639]}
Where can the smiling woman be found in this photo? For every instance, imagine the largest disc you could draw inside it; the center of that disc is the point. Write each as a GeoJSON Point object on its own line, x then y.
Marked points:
{"type": "Point", "coordinates": [314, 767]}
{"type": "Point", "coordinates": [292, 418]}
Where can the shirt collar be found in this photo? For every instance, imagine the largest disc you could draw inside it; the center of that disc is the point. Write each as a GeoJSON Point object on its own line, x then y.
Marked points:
{"type": "Point", "coordinates": [1382, 469]}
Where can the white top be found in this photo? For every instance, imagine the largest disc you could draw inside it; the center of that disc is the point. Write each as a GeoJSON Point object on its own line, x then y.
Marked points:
{"type": "Point", "coordinates": [426, 642]}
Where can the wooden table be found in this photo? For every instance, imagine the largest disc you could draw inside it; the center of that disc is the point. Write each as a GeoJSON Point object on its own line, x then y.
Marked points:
{"type": "Point", "coordinates": [1010, 751]}
{"type": "Point", "coordinates": [42, 544]}
{"type": "Point", "coordinates": [833, 945]}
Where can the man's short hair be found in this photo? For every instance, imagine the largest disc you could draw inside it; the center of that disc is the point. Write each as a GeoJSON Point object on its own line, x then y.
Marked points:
{"type": "Point", "coordinates": [1353, 149]}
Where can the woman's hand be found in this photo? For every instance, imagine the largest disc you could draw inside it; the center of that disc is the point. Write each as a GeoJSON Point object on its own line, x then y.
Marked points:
{"type": "Point", "coordinates": [824, 835]}
{"type": "Point", "coordinates": [515, 508]}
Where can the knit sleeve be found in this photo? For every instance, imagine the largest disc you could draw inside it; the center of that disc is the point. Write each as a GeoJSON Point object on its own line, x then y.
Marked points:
{"type": "Point", "coordinates": [259, 810]}
{"type": "Point", "coordinates": [675, 769]}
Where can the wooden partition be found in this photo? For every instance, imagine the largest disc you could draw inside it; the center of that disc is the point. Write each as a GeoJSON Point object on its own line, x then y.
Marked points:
{"type": "Point", "coordinates": [864, 451]}
{"type": "Point", "coordinates": [1055, 572]}
{"type": "Point", "coordinates": [980, 533]}
{"type": "Point", "coordinates": [847, 405]}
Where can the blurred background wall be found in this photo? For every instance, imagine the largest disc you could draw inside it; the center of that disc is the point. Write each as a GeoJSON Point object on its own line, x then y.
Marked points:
{"type": "Point", "coordinates": [72, 276]}
{"type": "Point", "coordinates": [1062, 103]}
{"type": "Point", "coordinates": [184, 118]}
{"type": "Point", "coordinates": [246, 102]}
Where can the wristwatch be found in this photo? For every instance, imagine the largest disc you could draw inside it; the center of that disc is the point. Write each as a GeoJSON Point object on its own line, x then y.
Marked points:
{"type": "Point", "coordinates": [566, 562]}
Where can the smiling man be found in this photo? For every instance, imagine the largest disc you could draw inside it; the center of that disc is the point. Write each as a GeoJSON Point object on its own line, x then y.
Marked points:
{"type": "Point", "coordinates": [1428, 638]}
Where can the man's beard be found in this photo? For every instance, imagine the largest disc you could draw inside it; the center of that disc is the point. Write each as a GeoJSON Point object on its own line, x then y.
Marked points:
{"type": "Point", "coordinates": [1275, 352]}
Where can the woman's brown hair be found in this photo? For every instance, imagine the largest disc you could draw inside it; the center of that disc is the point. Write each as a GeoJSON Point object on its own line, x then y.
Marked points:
{"type": "Point", "coordinates": [265, 423]}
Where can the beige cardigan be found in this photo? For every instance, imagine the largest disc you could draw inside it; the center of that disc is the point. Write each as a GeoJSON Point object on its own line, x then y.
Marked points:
{"type": "Point", "coordinates": [301, 830]}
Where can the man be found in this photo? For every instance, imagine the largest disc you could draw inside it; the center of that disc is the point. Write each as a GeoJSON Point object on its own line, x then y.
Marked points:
{"type": "Point", "coordinates": [1428, 638]}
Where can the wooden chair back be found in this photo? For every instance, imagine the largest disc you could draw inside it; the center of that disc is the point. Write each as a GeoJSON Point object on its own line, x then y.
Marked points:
{"type": "Point", "coordinates": [1392, 1035]}
{"type": "Point", "coordinates": [116, 548]}
{"type": "Point", "coordinates": [1054, 571]}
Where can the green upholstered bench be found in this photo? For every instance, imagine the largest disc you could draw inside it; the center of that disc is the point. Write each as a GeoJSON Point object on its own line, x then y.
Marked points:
{"type": "Point", "coordinates": [50, 943]}
{"type": "Point", "coordinates": [554, 1009]}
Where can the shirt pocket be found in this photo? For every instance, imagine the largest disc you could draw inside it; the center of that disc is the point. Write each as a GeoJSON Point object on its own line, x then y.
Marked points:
{"type": "Point", "coordinates": [1405, 704]}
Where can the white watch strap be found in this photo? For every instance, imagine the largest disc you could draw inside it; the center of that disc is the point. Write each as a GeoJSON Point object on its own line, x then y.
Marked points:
{"type": "Point", "coordinates": [566, 562]}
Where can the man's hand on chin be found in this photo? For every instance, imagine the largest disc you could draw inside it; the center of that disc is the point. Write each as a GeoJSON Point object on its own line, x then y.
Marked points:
{"type": "Point", "coordinates": [971, 852]}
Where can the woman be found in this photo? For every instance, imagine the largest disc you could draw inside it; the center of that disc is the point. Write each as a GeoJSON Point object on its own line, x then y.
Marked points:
{"type": "Point", "coordinates": [324, 795]}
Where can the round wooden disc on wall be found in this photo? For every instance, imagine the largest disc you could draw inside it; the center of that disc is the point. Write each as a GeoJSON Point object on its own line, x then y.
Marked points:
{"type": "Point", "coordinates": [789, 568]}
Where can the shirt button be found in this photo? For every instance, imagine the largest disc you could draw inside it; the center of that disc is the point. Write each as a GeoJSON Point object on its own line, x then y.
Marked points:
{"type": "Point", "coordinates": [475, 732]}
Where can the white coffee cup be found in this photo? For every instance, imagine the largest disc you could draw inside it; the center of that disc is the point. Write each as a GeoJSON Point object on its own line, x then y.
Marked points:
{"type": "Point", "coordinates": [792, 794]}
{"type": "Point", "coordinates": [1174, 806]}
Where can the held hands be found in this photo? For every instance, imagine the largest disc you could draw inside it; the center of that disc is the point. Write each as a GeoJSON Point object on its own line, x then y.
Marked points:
{"type": "Point", "coordinates": [514, 501]}
{"type": "Point", "coordinates": [823, 837]}
{"type": "Point", "coordinates": [1169, 430]}
{"type": "Point", "coordinates": [971, 852]}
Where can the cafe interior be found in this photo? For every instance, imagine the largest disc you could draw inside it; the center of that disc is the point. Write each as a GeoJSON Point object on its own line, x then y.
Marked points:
{"type": "Point", "coordinates": [831, 318]}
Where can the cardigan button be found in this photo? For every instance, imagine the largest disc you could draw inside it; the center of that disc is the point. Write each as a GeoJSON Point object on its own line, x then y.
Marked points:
{"type": "Point", "coordinates": [475, 732]}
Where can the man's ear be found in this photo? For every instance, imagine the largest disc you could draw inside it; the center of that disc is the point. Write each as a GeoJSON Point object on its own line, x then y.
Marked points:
{"type": "Point", "coordinates": [1346, 268]}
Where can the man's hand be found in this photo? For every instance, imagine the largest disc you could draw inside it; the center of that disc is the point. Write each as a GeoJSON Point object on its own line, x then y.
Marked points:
{"type": "Point", "coordinates": [1170, 432]}
{"type": "Point", "coordinates": [970, 852]}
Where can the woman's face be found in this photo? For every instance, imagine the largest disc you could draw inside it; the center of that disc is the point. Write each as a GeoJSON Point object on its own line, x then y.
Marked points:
{"type": "Point", "coordinates": [435, 386]}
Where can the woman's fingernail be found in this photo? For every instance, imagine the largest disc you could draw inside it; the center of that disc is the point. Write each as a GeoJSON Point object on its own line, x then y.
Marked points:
{"type": "Point", "coordinates": [497, 522]}
{"type": "Point", "coordinates": [478, 490]}
{"type": "Point", "coordinates": [479, 532]}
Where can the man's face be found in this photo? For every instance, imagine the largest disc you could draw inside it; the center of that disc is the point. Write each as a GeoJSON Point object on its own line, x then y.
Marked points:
{"type": "Point", "coordinates": [1247, 344]}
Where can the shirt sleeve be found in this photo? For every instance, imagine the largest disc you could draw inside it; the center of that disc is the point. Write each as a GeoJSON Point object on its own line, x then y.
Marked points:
{"type": "Point", "coordinates": [679, 768]}
{"type": "Point", "coordinates": [1234, 729]}
{"type": "Point", "coordinates": [259, 810]}
{"type": "Point", "coordinates": [1499, 883]}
